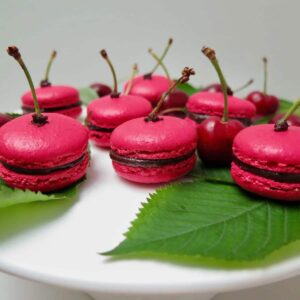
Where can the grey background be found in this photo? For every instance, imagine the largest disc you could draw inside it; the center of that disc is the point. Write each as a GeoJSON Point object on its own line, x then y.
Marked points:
{"type": "Point", "coordinates": [241, 32]}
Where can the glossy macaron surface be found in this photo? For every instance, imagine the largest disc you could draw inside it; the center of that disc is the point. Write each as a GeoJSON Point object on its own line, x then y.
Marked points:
{"type": "Point", "coordinates": [212, 104]}
{"type": "Point", "coordinates": [60, 141]}
{"type": "Point", "coordinates": [150, 88]}
{"type": "Point", "coordinates": [52, 96]}
{"type": "Point", "coordinates": [166, 138]}
{"type": "Point", "coordinates": [108, 112]}
{"type": "Point", "coordinates": [262, 147]}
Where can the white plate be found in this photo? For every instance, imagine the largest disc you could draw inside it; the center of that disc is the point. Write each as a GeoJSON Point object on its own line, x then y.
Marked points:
{"type": "Point", "coordinates": [58, 242]}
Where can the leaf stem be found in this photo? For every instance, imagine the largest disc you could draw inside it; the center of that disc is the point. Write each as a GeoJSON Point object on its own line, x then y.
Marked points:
{"type": "Point", "coordinates": [211, 55]}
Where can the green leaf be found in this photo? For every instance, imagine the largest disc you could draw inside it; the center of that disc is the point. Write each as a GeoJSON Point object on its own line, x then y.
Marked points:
{"type": "Point", "coordinates": [188, 88]}
{"type": "Point", "coordinates": [204, 219]}
{"type": "Point", "coordinates": [14, 115]}
{"type": "Point", "coordinates": [87, 95]}
{"type": "Point", "coordinates": [10, 196]}
{"type": "Point", "coordinates": [285, 105]}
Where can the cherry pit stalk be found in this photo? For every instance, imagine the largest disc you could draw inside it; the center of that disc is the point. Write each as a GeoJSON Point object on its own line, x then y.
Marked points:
{"type": "Point", "coordinates": [216, 134]}
{"type": "Point", "coordinates": [265, 104]}
{"type": "Point", "coordinates": [174, 103]}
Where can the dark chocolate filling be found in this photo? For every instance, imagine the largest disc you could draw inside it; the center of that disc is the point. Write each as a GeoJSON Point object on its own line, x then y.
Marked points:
{"type": "Point", "coordinates": [27, 109]}
{"type": "Point", "coordinates": [148, 163]}
{"type": "Point", "coordinates": [276, 176]}
{"type": "Point", "coordinates": [199, 118]}
{"type": "Point", "coordinates": [97, 128]}
{"type": "Point", "coordinates": [45, 171]}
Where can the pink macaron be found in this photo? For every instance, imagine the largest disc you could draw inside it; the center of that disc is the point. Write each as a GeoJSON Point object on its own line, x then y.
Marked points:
{"type": "Point", "coordinates": [149, 86]}
{"type": "Point", "coordinates": [106, 113]}
{"type": "Point", "coordinates": [267, 162]}
{"type": "Point", "coordinates": [202, 105]}
{"type": "Point", "coordinates": [155, 151]}
{"type": "Point", "coordinates": [43, 157]}
{"type": "Point", "coordinates": [54, 98]}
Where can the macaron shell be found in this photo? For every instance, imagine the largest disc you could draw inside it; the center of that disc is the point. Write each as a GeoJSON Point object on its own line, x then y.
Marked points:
{"type": "Point", "coordinates": [60, 141]}
{"type": "Point", "coordinates": [110, 112]}
{"type": "Point", "coordinates": [265, 187]}
{"type": "Point", "coordinates": [100, 139]}
{"type": "Point", "coordinates": [45, 183]}
{"type": "Point", "coordinates": [73, 112]}
{"type": "Point", "coordinates": [151, 89]}
{"type": "Point", "coordinates": [169, 137]}
{"type": "Point", "coordinates": [212, 104]}
{"type": "Point", "coordinates": [155, 175]}
{"type": "Point", "coordinates": [52, 96]}
{"type": "Point", "coordinates": [262, 147]}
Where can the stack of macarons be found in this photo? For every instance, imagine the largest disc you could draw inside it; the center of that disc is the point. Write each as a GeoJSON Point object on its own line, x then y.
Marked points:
{"type": "Point", "coordinates": [267, 162]}
{"type": "Point", "coordinates": [202, 105]}
{"type": "Point", "coordinates": [43, 157]}
{"type": "Point", "coordinates": [153, 151]}
{"type": "Point", "coordinates": [108, 112]}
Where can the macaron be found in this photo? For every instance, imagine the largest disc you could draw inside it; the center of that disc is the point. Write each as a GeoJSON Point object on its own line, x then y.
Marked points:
{"type": "Point", "coordinates": [107, 113]}
{"type": "Point", "coordinates": [54, 98]}
{"type": "Point", "coordinates": [149, 86]}
{"type": "Point", "coordinates": [267, 162]}
{"type": "Point", "coordinates": [202, 105]}
{"type": "Point", "coordinates": [43, 156]}
{"type": "Point", "coordinates": [156, 151]}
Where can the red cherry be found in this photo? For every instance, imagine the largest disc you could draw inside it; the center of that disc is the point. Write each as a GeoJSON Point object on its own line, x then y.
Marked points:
{"type": "Point", "coordinates": [217, 88]}
{"type": "Point", "coordinates": [215, 139]}
{"type": "Point", "coordinates": [265, 104]}
{"type": "Point", "coordinates": [101, 89]}
{"type": "Point", "coordinates": [4, 118]}
{"type": "Point", "coordinates": [293, 120]}
{"type": "Point", "coordinates": [177, 98]}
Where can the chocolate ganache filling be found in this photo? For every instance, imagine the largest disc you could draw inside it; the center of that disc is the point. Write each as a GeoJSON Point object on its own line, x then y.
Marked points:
{"type": "Point", "coordinates": [276, 176]}
{"type": "Point", "coordinates": [199, 118]}
{"type": "Point", "coordinates": [148, 163]}
{"type": "Point", "coordinates": [98, 128]}
{"type": "Point", "coordinates": [27, 109]}
{"type": "Point", "coordinates": [44, 171]}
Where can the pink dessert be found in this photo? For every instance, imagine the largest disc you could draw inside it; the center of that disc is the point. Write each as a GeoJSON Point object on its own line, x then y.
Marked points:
{"type": "Point", "coordinates": [108, 112]}
{"type": "Point", "coordinates": [153, 151]}
{"type": "Point", "coordinates": [150, 87]}
{"type": "Point", "coordinates": [54, 98]}
{"type": "Point", "coordinates": [267, 162]}
{"type": "Point", "coordinates": [44, 157]}
{"type": "Point", "coordinates": [204, 104]}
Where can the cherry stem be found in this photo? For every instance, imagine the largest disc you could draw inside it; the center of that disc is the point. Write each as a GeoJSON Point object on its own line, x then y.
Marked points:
{"type": "Point", "coordinates": [52, 57]}
{"type": "Point", "coordinates": [170, 41]}
{"type": "Point", "coordinates": [265, 63]}
{"type": "Point", "coordinates": [160, 63]}
{"type": "Point", "coordinates": [105, 56]}
{"type": "Point", "coordinates": [185, 76]}
{"type": "Point", "coordinates": [132, 76]}
{"type": "Point", "coordinates": [173, 109]}
{"type": "Point", "coordinates": [14, 52]}
{"type": "Point", "coordinates": [211, 55]}
{"type": "Point", "coordinates": [245, 85]}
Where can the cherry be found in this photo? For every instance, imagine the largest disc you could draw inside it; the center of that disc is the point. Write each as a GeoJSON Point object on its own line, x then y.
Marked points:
{"type": "Point", "coordinates": [265, 104]}
{"type": "Point", "coordinates": [293, 120]}
{"type": "Point", "coordinates": [4, 118]}
{"type": "Point", "coordinates": [215, 134]}
{"type": "Point", "coordinates": [101, 89]}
